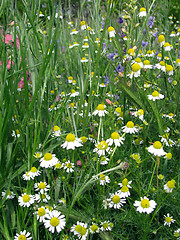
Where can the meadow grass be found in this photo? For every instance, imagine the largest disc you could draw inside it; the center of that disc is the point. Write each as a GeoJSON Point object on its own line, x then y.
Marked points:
{"type": "Point", "coordinates": [89, 120]}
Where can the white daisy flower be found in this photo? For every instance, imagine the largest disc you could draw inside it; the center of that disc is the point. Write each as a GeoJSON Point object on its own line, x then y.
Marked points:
{"type": "Point", "coordinates": [125, 182]}
{"type": "Point", "coordinates": [68, 166]}
{"type": "Point", "coordinates": [102, 148]}
{"type": "Point", "coordinates": [124, 191]}
{"type": "Point", "coordinates": [168, 220]}
{"type": "Point", "coordinates": [56, 131]}
{"type": "Point", "coordinates": [71, 142]}
{"type": "Point", "coordinates": [156, 149]}
{"type": "Point", "coordinates": [106, 226]}
{"type": "Point", "coordinates": [54, 221]}
{"type": "Point", "coordinates": [49, 160]}
{"type": "Point", "coordinates": [10, 195]}
{"type": "Point", "coordinates": [83, 60]}
{"type": "Point", "coordinates": [42, 197]}
{"type": "Point", "coordinates": [103, 160]}
{"type": "Point", "coordinates": [42, 187]}
{"type": "Point", "coordinates": [147, 65]}
{"type": "Point", "coordinates": [23, 235]}
{"type": "Point", "coordinates": [116, 201]}
{"type": "Point", "coordinates": [136, 70]}
{"type": "Point", "coordinates": [74, 32]}
{"type": "Point", "coordinates": [116, 139]}
{"type": "Point", "coordinates": [41, 212]}
{"type": "Point", "coordinates": [139, 113]}
{"type": "Point", "coordinates": [169, 69]}
{"type": "Point", "coordinates": [74, 93]}
{"type": "Point", "coordinates": [142, 12]}
{"type": "Point", "coordinates": [169, 186]}
{"type": "Point", "coordinates": [25, 200]}
{"type": "Point", "coordinates": [86, 45]}
{"type": "Point", "coordinates": [161, 65]}
{"type": "Point", "coordinates": [145, 206]}
{"type": "Point", "coordinates": [38, 155]}
{"type": "Point", "coordinates": [94, 228]}
{"type": "Point", "coordinates": [161, 40]}
{"type": "Point", "coordinates": [80, 230]}
{"type": "Point", "coordinates": [103, 179]}
{"type": "Point", "coordinates": [155, 96]}
{"type": "Point", "coordinates": [26, 176]}
{"type": "Point", "coordinates": [130, 128]}
{"type": "Point", "coordinates": [83, 25]}
{"type": "Point", "coordinates": [111, 32]}
{"type": "Point", "coordinates": [16, 133]}
{"type": "Point", "coordinates": [100, 110]}
{"type": "Point", "coordinates": [177, 234]}
{"type": "Point", "coordinates": [167, 47]}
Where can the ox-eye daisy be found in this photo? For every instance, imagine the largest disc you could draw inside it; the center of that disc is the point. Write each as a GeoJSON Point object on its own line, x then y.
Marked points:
{"type": "Point", "coordinates": [168, 220]}
{"type": "Point", "coordinates": [56, 131]}
{"type": "Point", "coordinates": [155, 96]}
{"type": "Point", "coordinates": [42, 187]}
{"type": "Point", "coordinates": [41, 212]}
{"type": "Point", "coordinates": [116, 139]}
{"type": "Point", "coordinates": [116, 201]}
{"type": "Point", "coordinates": [130, 128]}
{"type": "Point", "coordinates": [54, 221]}
{"type": "Point", "coordinates": [100, 110]}
{"type": "Point", "coordinates": [145, 205]}
{"type": "Point", "coordinates": [156, 149]}
{"type": "Point", "coordinates": [71, 142]}
{"type": "Point", "coordinates": [104, 179]}
{"type": "Point", "coordinates": [142, 12]}
{"type": "Point", "coordinates": [49, 160]}
{"type": "Point", "coordinates": [25, 200]}
{"type": "Point", "coordinates": [23, 236]}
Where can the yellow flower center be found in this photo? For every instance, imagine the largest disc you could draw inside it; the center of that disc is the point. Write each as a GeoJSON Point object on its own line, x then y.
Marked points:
{"type": "Point", "coordinates": [41, 212]}
{"type": "Point", "coordinates": [100, 107]}
{"type": "Point", "coordinates": [166, 44]}
{"type": "Point", "coordinates": [130, 124]}
{"type": "Point", "coordinates": [131, 52]}
{"type": "Point", "coordinates": [161, 38]}
{"type": "Point", "coordinates": [38, 155]}
{"type": "Point", "coordinates": [169, 68]}
{"type": "Point", "coordinates": [140, 112]}
{"type": "Point", "coordinates": [58, 165]}
{"type": "Point", "coordinates": [22, 237]}
{"type": "Point", "coordinates": [26, 198]}
{"type": "Point", "coordinates": [162, 63]}
{"type": "Point", "coordinates": [146, 62]}
{"type": "Point", "coordinates": [78, 228]}
{"type": "Point", "coordinates": [115, 135]}
{"type": "Point", "coordinates": [145, 203]}
{"type": "Point", "coordinates": [110, 29]}
{"type": "Point", "coordinates": [73, 91]}
{"type": "Point", "coordinates": [69, 165]}
{"type": "Point", "coordinates": [84, 139]}
{"type": "Point", "coordinates": [54, 221]}
{"type": "Point", "coordinates": [86, 44]}
{"type": "Point", "coordinates": [102, 145]}
{"type": "Point", "coordinates": [48, 156]}
{"type": "Point", "coordinates": [33, 169]}
{"type": "Point", "coordinates": [124, 189]}
{"type": "Point", "coordinates": [116, 199]}
{"type": "Point", "coordinates": [142, 10]}
{"type": "Point", "coordinates": [70, 137]}
{"type": "Point", "coordinates": [42, 185]}
{"type": "Point", "coordinates": [155, 94]}
{"type": "Point", "coordinates": [136, 67]}
{"type": "Point", "coordinates": [83, 58]}
{"type": "Point", "coordinates": [138, 60]}
{"type": "Point", "coordinates": [169, 155]}
{"type": "Point", "coordinates": [17, 131]}
{"type": "Point", "coordinates": [125, 182]}
{"type": "Point", "coordinates": [102, 177]}
{"type": "Point", "coordinates": [56, 128]}
{"type": "Point", "coordinates": [178, 60]}
{"type": "Point", "coordinates": [118, 110]}
{"type": "Point", "coordinates": [171, 184]}
{"type": "Point", "coordinates": [82, 23]}
{"type": "Point", "coordinates": [157, 145]}
{"type": "Point", "coordinates": [136, 157]}
{"type": "Point", "coordinates": [168, 219]}
{"type": "Point", "coordinates": [83, 231]}
{"type": "Point", "coordinates": [94, 228]}
{"type": "Point", "coordinates": [105, 225]}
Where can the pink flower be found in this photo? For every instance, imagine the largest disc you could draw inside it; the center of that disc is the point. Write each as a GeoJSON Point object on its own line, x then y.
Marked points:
{"type": "Point", "coordinates": [12, 23]}
{"type": "Point", "coordinates": [21, 84]}
{"type": "Point", "coordinates": [79, 163]}
{"type": "Point", "coordinates": [108, 101]}
{"type": "Point", "coordinates": [9, 64]}
{"type": "Point", "coordinates": [8, 38]}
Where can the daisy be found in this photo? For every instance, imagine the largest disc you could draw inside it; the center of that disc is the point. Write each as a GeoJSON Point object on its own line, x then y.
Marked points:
{"type": "Point", "coordinates": [100, 110]}
{"type": "Point", "coordinates": [177, 62]}
{"type": "Point", "coordinates": [83, 25]}
{"type": "Point", "coordinates": [111, 32]}
{"type": "Point", "coordinates": [74, 32]}
{"type": "Point", "coordinates": [168, 156]}
{"type": "Point", "coordinates": [16, 133]}
{"type": "Point", "coordinates": [124, 192]}
{"type": "Point", "coordinates": [106, 226]}
{"type": "Point", "coordinates": [136, 157]}
{"type": "Point", "coordinates": [161, 65]}
{"type": "Point", "coordinates": [49, 160]}
{"type": "Point", "coordinates": [103, 160]}
{"type": "Point", "coordinates": [104, 179]}
{"type": "Point", "coordinates": [155, 96]}
{"type": "Point", "coordinates": [58, 166]}
{"type": "Point", "coordinates": [169, 186]}
{"type": "Point", "coordinates": [102, 148]}
{"type": "Point", "coordinates": [161, 40]}
{"type": "Point", "coordinates": [42, 197]}
{"type": "Point", "coordinates": [139, 113]}
{"type": "Point", "coordinates": [56, 131]}
{"type": "Point", "coordinates": [26, 176]}
{"type": "Point", "coordinates": [168, 220]}
{"type": "Point", "coordinates": [42, 187]}
{"type": "Point", "coordinates": [136, 70]}
{"type": "Point", "coordinates": [167, 47]}
{"type": "Point", "coordinates": [169, 70]}
{"type": "Point", "coordinates": [71, 142]}
{"type": "Point", "coordinates": [10, 195]}
{"type": "Point", "coordinates": [145, 206]}
{"type": "Point", "coordinates": [23, 235]}
{"type": "Point", "coordinates": [130, 128]}
{"type": "Point", "coordinates": [177, 233]}
{"type": "Point", "coordinates": [38, 155]}
{"type": "Point", "coordinates": [41, 212]}
{"type": "Point", "coordinates": [68, 166]}
{"type": "Point", "coordinates": [34, 172]}
{"type": "Point", "coordinates": [84, 60]}
{"type": "Point", "coordinates": [25, 200]}
{"type": "Point", "coordinates": [142, 12]}
{"type": "Point", "coordinates": [74, 93]}
{"type": "Point", "coordinates": [93, 228]}
{"type": "Point", "coordinates": [116, 139]}
{"type": "Point", "coordinates": [138, 60]}
{"type": "Point", "coordinates": [86, 45]}
{"type": "Point", "coordinates": [156, 149]}
{"type": "Point", "coordinates": [125, 182]}
{"type": "Point", "coordinates": [80, 229]}
{"type": "Point", "coordinates": [116, 201]}
{"type": "Point", "coordinates": [54, 221]}
{"type": "Point", "coordinates": [147, 65]}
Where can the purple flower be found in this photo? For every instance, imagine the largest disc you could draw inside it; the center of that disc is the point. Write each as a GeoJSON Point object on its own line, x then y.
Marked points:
{"type": "Point", "coordinates": [116, 97]}
{"type": "Point", "coordinates": [169, 79]}
{"type": "Point", "coordinates": [151, 21]}
{"type": "Point", "coordinates": [120, 20]}
{"type": "Point", "coordinates": [103, 23]}
{"type": "Point", "coordinates": [106, 80]}
{"type": "Point", "coordinates": [144, 44]}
